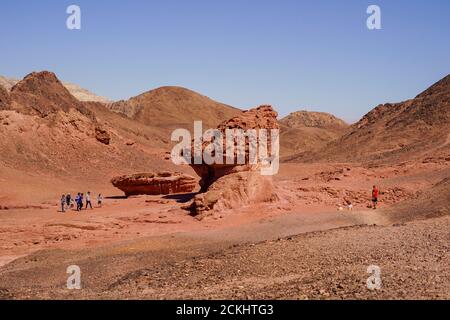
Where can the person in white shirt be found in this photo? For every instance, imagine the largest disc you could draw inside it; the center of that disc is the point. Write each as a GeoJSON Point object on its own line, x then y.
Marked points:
{"type": "Point", "coordinates": [88, 200]}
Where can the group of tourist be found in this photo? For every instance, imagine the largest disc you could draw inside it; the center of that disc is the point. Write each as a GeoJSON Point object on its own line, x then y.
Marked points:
{"type": "Point", "coordinates": [67, 202]}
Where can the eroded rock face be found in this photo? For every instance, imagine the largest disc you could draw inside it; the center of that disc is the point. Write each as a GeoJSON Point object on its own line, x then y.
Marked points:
{"type": "Point", "coordinates": [155, 183]}
{"type": "Point", "coordinates": [42, 94]}
{"type": "Point", "coordinates": [230, 186]}
{"type": "Point", "coordinates": [232, 191]}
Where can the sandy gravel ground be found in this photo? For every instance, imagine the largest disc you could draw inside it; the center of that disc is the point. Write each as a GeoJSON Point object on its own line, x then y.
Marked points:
{"type": "Point", "coordinates": [149, 248]}
{"type": "Point", "coordinates": [414, 261]}
{"type": "Point", "coordinates": [413, 258]}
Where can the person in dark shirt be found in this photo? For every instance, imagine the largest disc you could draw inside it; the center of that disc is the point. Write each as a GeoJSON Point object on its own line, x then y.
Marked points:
{"type": "Point", "coordinates": [68, 200]}
{"type": "Point", "coordinates": [63, 203]}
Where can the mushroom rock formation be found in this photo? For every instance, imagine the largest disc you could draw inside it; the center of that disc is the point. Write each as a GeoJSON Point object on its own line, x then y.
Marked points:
{"type": "Point", "coordinates": [155, 183]}
{"type": "Point", "coordinates": [229, 186]}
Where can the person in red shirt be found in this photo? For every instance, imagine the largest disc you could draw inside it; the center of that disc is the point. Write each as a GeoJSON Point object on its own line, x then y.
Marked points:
{"type": "Point", "coordinates": [375, 197]}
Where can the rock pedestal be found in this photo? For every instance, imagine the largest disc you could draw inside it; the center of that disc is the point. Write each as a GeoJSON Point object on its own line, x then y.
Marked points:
{"type": "Point", "coordinates": [230, 186]}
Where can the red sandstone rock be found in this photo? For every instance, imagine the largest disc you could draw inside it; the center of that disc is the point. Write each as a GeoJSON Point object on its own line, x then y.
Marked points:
{"type": "Point", "coordinates": [5, 100]}
{"type": "Point", "coordinates": [155, 183]}
{"type": "Point", "coordinates": [228, 186]}
{"type": "Point", "coordinates": [102, 135]}
{"type": "Point", "coordinates": [42, 94]}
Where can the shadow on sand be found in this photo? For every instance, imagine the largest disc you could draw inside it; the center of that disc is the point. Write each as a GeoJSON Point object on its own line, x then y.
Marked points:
{"type": "Point", "coordinates": [116, 197]}
{"type": "Point", "coordinates": [181, 198]}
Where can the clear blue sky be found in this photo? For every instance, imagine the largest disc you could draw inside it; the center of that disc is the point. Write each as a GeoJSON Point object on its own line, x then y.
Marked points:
{"type": "Point", "coordinates": [315, 55]}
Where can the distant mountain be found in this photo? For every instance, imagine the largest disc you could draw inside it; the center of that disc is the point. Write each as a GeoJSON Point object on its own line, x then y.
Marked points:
{"type": "Point", "coordinates": [44, 129]}
{"type": "Point", "coordinates": [431, 203]}
{"type": "Point", "coordinates": [83, 94]}
{"type": "Point", "coordinates": [313, 119]}
{"type": "Point", "coordinates": [306, 131]}
{"type": "Point", "coordinates": [172, 107]}
{"type": "Point", "coordinates": [78, 92]}
{"type": "Point", "coordinates": [7, 83]}
{"type": "Point", "coordinates": [393, 131]}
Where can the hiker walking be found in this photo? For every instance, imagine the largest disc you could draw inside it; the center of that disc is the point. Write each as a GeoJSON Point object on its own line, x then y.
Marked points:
{"type": "Point", "coordinates": [375, 193]}
{"type": "Point", "coordinates": [81, 201]}
{"type": "Point", "coordinates": [63, 202]}
{"type": "Point", "coordinates": [78, 201]}
{"type": "Point", "coordinates": [88, 200]}
{"type": "Point", "coordinates": [99, 200]}
{"type": "Point", "coordinates": [68, 200]}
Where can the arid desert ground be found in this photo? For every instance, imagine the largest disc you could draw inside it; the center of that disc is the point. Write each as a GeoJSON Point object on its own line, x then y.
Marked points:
{"type": "Point", "coordinates": [233, 234]}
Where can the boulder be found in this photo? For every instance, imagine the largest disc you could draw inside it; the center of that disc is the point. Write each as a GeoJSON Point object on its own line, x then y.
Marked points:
{"type": "Point", "coordinates": [102, 135]}
{"type": "Point", "coordinates": [234, 190]}
{"type": "Point", "coordinates": [155, 183]}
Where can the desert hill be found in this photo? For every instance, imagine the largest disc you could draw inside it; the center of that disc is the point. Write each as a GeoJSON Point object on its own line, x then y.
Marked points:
{"type": "Point", "coordinates": [305, 131]}
{"type": "Point", "coordinates": [167, 108]}
{"type": "Point", "coordinates": [305, 118]}
{"type": "Point", "coordinates": [41, 93]}
{"type": "Point", "coordinates": [159, 111]}
{"type": "Point", "coordinates": [430, 203]}
{"type": "Point", "coordinates": [174, 107]}
{"type": "Point", "coordinates": [45, 128]}
{"type": "Point", "coordinates": [414, 128]}
{"type": "Point", "coordinates": [47, 134]}
{"type": "Point", "coordinates": [78, 92]}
